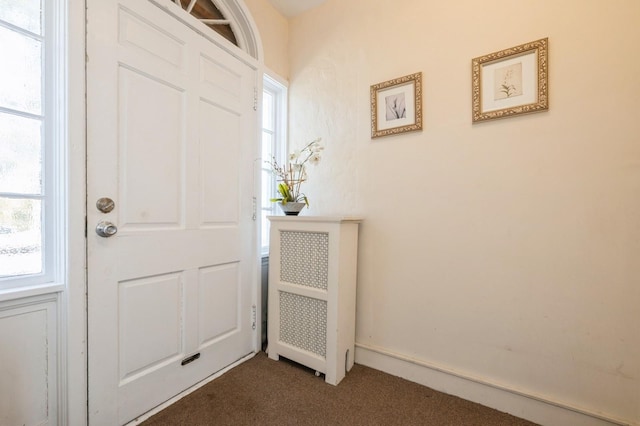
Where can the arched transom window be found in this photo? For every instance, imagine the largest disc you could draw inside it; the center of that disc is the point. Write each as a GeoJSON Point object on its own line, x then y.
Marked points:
{"type": "Point", "coordinates": [209, 14]}
{"type": "Point", "coordinates": [228, 18]}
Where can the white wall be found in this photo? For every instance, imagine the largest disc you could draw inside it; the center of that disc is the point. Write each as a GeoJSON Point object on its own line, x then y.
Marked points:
{"type": "Point", "coordinates": [507, 250]}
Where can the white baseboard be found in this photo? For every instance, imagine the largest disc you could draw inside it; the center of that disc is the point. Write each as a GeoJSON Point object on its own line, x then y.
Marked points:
{"type": "Point", "coordinates": [520, 403]}
{"type": "Point", "coordinates": [186, 392]}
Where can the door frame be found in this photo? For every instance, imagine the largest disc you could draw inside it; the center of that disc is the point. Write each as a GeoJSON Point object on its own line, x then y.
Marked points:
{"type": "Point", "coordinates": [73, 395]}
{"type": "Point", "coordinates": [73, 386]}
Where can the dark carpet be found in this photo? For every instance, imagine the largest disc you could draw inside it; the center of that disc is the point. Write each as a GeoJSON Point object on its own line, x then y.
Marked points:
{"type": "Point", "coordinates": [266, 392]}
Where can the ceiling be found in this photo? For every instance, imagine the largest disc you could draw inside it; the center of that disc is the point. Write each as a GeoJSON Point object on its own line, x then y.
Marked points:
{"type": "Point", "coordinates": [291, 8]}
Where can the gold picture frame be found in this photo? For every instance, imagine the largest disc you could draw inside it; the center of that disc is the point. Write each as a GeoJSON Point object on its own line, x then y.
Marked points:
{"type": "Point", "coordinates": [396, 106]}
{"type": "Point", "coordinates": [511, 82]}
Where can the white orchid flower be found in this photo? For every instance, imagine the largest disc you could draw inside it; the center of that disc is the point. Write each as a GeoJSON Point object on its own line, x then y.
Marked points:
{"type": "Point", "coordinates": [315, 158]}
{"type": "Point", "coordinates": [294, 155]}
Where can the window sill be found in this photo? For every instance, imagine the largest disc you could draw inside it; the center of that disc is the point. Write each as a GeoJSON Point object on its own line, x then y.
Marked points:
{"type": "Point", "coordinates": [30, 291]}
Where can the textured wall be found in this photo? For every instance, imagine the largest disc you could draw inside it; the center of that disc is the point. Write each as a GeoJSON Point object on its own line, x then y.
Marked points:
{"type": "Point", "coordinates": [274, 32]}
{"type": "Point", "coordinates": [507, 250]}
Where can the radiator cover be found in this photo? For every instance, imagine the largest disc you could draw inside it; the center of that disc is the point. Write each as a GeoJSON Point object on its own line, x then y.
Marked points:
{"type": "Point", "coordinates": [312, 282]}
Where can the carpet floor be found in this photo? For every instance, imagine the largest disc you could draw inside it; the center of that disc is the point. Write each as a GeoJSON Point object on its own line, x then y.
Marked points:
{"type": "Point", "coordinates": [261, 391]}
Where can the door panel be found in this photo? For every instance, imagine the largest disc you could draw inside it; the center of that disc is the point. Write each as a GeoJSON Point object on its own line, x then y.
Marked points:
{"type": "Point", "coordinates": [152, 117]}
{"type": "Point", "coordinates": [218, 314]}
{"type": "Point", "coordinates": [149, 317]}
{"type": "Point", "coordinates": [220, 185]}
{"type": "Point", "coordinates": [171, 139]}
{"type": "Point", "coordinates": [152, 42]}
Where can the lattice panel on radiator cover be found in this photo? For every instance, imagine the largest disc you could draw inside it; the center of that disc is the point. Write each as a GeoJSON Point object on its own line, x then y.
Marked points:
{"type": "Point", "coordinates": [303, 322]}
{"type": "Point", "coordinates": [304, 258]}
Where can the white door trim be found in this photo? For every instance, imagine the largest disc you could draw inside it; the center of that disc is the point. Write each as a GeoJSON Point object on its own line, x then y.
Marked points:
{"type": "Point", "coordinates": [73, 307]}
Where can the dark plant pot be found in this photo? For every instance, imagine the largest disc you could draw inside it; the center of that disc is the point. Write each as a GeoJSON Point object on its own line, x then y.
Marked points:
{"type": "Point", "coordinates": [291, 209]}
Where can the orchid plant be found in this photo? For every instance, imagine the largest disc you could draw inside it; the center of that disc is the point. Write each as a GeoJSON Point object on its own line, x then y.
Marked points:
{"type": "Point", "coordinates": [291, 175]}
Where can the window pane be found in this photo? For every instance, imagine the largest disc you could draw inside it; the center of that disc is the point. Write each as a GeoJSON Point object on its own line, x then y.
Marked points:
{"type": "Point", "coordinates": [267, 146]}
{"type": "Point", "coordinates": [22, 13]}
{"type": "Point", "coordinates": [267, 111]}
{"type": "Point", "coordinates": [267, 188]}
{"type": "Point", "coordinates": [20, 155]}
{"type": "Point", "coordinates": [273, 143]}
{"type": "Point", "coordinates": [20, 72]}
{"type": "Point", "coordinates": [266, 225]}
{"type": "Point", "coordinates": [20, 237]}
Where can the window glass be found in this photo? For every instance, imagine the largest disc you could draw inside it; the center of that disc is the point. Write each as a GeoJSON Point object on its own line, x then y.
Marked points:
{"type": "Point", "coordinates": [20, 237]}
{"type": "Point", "coordinates": [23, 14]}
{"type": "Point", "coordinates": [23, 222]}
{"type": "Point", "coordinates": [20, 154]}
{"type": "Point", "coordinates": [273, 145]}
{"type": "Point", "coordinates": [268, 119]}
{"type": "Point", "coordinates": [20, 72]}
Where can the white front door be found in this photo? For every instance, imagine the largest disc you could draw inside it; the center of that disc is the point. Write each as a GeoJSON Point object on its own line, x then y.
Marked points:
{"type": "Point", "coordinates": [171, 141]}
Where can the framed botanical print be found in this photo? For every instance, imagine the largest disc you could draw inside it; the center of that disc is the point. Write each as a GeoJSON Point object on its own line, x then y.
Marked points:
{"type": "Point", "coordinates": [396, 106]}
{"type": "Point", "coordinates": [511, 82]}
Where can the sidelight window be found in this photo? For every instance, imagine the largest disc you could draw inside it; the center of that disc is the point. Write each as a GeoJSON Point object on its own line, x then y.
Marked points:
{"type": "Point", "coordinates": [274, 113]}
{"type": "Point", "coordinates": [27, 143]}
